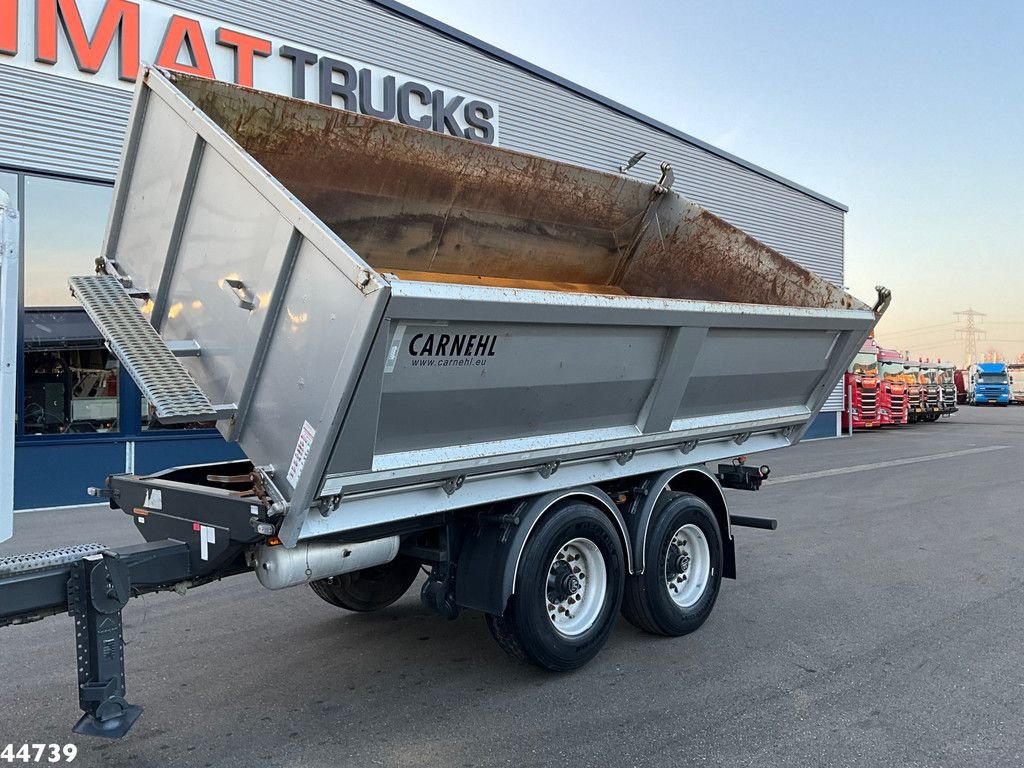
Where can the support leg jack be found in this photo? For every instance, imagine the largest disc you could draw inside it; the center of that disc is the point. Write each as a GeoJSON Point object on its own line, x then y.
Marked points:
{"type": "Point", "coordinates": [97, 591]}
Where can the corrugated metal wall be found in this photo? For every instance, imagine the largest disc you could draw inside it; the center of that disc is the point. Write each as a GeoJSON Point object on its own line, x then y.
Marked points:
{"type": "Point", "coordinates": [60, 125]}
{"type": "Point", "coordinates": [74, 127]}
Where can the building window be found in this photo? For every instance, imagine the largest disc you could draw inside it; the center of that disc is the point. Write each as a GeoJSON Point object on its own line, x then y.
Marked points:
{"type": "Point", "coordinates": [64, 224]}
{"type": "Point", "coordinates": [70, 382]}
{"type": "Point", "coordinates": [70, 391]}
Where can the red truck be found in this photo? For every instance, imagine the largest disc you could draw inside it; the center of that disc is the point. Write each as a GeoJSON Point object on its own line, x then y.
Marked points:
{"type": "Point", "coordinates": [959, 380]}
{"type": "Point", "coordinates": [861, 388]}
{"type": "Point", "coordinates": [892, 391]}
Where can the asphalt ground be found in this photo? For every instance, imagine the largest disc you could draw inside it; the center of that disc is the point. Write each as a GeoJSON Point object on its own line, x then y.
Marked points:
{"type": "Point", "coordinates": [881, 625]}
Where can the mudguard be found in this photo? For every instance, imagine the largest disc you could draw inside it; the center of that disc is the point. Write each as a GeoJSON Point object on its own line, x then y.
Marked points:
{"type": "Point", "coordinates": [696, 480]}
{"type": "Point", "coordinates": [489, 561]}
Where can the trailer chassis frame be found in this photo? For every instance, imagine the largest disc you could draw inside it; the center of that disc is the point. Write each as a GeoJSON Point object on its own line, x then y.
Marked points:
{"type": "Point", "coordinates": [199, 534]}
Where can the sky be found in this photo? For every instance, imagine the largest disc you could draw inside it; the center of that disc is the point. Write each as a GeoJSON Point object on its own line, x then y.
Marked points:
{"type": "Point", "coordinates": [910, 113]}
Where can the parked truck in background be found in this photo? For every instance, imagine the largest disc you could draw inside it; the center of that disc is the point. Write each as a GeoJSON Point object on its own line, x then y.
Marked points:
{"type": "Point", "coordinates": [931, 390]}
{"type": "Point", "coordinates": [423, 375]}
{"type": "Point", "coordinates": [960, 380]}
{"type": "Point", "coordinates": [947, 385]}
{"type": "Point", "coordinates": [915, 392]}
{"type": "Point", "coordinates": [1016, 371]}
{"type": "Point", "coordinates": [892, 391]}
{"type": "Point", "coordinates": [988, 384]}
{"type": "Point", "coordinates": [861, 387]}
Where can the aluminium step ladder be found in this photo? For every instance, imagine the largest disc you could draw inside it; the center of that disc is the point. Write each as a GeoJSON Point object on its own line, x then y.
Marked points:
{"type": "Point", "coordinates": [170, 388]}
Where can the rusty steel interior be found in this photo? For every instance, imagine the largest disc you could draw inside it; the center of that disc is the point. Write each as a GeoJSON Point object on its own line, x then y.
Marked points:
{"type": "Point", "coordinates": [418, 205]}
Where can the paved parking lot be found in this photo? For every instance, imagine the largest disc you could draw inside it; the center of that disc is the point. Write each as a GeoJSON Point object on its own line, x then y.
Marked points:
{"type": "Point", "coordinates": [882, 624]}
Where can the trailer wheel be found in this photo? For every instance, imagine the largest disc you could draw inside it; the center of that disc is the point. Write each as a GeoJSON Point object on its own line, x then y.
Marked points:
{"type": "Point", "coordinates": [682, 570]}
{"type": "Point", "coordinates": [371, 588]}
{"type": "Point", "coordinates": [568, 591]}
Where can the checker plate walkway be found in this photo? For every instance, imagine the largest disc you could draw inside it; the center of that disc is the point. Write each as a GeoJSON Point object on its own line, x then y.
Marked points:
{"type": "Point", "coordinates": [162, 379]}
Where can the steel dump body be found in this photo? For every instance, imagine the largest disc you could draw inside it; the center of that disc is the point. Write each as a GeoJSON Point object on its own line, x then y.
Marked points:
{"type": "Point", "coordinates": [383, 309]}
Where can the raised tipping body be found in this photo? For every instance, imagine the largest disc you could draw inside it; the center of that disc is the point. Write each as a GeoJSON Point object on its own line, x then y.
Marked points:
{"type": "Point", "coordinates": [383, 307]}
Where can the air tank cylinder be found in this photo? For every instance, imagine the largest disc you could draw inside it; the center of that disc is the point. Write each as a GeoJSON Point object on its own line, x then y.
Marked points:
{"type": "Point", "coordinates": [278, 567]}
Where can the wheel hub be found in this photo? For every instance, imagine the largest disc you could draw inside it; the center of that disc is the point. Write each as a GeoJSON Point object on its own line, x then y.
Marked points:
{"type": "Point", "coordinates": [576, 587]}
{"type": "Point", "coordinates": [677, 562]}
{"type": "Point", "coordinates": [562, 582]}
{"type": "Point", "coordinates": [682, 563]}
{"type": "Point", "coordinates": [687, 565]}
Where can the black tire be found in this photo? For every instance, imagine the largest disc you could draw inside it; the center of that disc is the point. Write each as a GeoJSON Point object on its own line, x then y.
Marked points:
{"type": "Point", "coordinates": [371, 588]}
{"type": "Point", "coordinates": [526, 630]}
{"type": "Point", "coordinates": [648, 603]}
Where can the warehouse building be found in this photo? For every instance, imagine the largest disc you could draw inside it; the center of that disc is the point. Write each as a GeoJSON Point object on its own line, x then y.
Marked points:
{"type": "Point", "coordinates": [67, 69]}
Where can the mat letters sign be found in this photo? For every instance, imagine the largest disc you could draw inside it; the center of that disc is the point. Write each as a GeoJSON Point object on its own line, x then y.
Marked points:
{"type": "Point", "coordinates": [107, 42]}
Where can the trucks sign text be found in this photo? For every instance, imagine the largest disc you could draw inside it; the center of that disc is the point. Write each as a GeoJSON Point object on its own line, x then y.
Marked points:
{"type": "Point", "coordinates": [106, 41]}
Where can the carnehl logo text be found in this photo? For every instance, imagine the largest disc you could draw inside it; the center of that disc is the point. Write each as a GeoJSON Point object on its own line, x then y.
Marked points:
{"type": "Point", "coordinates": [467, 347]}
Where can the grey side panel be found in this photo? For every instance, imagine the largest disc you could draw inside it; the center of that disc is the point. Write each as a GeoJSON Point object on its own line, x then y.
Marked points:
{"type": "Point", "coordinates": [536, 378]}
{"type": "Point", "coordinates": [765, 368]}
{"type": "Point", "coordinates": [531, 379]}
{"type": "Point", "coordinates": [353, 450]}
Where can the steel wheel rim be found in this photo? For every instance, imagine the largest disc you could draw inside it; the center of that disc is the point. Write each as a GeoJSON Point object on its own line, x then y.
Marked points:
{"type": "Point", "coordinates": [576, 587]}
{"type": "Point", "coordinates": [687, 566]}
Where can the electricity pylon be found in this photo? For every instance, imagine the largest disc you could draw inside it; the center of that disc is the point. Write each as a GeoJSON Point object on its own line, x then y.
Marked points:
{"type": "Point", "coordinates": [970, 333]}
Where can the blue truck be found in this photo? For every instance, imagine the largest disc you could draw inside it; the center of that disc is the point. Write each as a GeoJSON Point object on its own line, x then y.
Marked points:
{"type": "Point", "coordinates": [988, 384]}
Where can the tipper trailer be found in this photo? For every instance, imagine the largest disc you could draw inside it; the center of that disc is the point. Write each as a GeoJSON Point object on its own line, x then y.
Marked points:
{"type": "Point", "coordinates": [509, 370]}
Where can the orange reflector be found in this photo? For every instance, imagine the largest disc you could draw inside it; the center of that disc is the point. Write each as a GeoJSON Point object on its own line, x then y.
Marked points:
{"type": "Point", "coordinates": [273, 541]}
{"type": "Point", "coordinates": [140, 511]}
